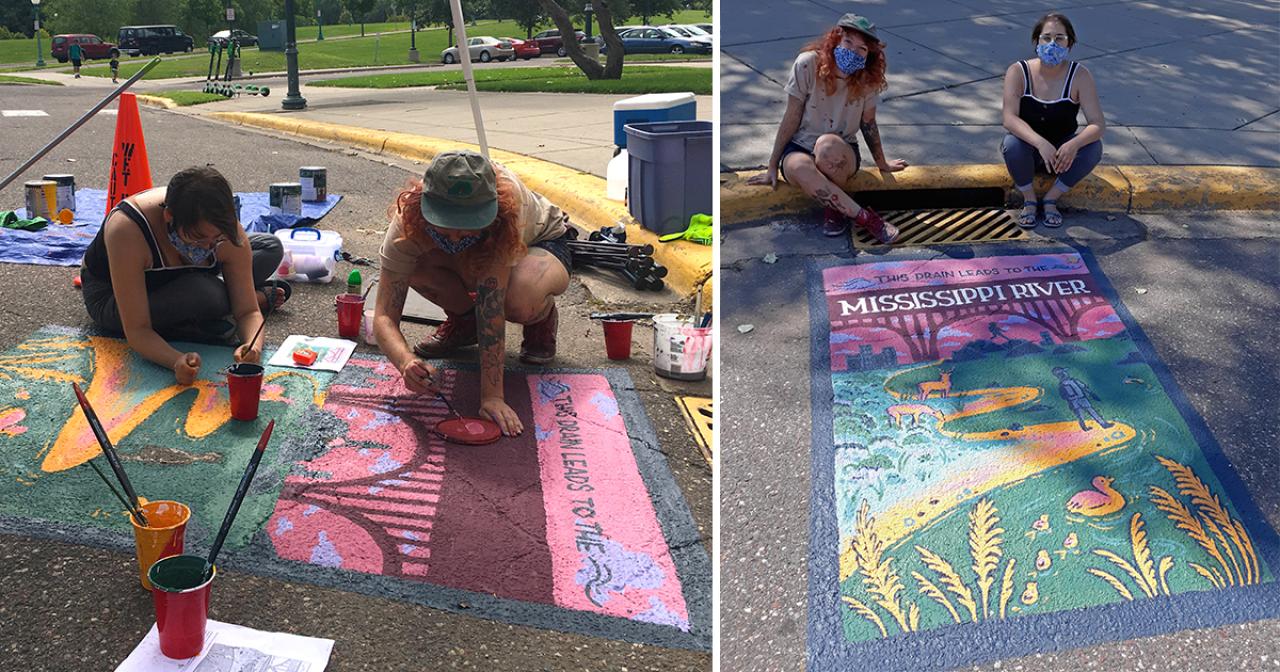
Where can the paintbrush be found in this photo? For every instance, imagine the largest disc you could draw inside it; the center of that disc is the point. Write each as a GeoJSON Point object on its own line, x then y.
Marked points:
{"type": "Point", "coordinates": [113, 488]}
{"type": "Point", "coordinates": [445, 399]}
{"type": "Point", "coordinates": [112, 459]}
{"type": "Point", "coordinates": [241, 491]}
{"type": "Point", "coordinates": [366, 289]}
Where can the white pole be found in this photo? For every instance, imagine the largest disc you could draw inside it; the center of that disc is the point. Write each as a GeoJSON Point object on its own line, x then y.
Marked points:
{"type": "Point", "coordinates": [460, 29]}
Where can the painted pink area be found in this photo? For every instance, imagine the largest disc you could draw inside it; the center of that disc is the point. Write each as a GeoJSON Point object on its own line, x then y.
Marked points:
{"type": "Point", "coordinates": [371, 501]}
{"type": "Point", "coordinates": [888, 275]}
{"type": "Point", "coordinates": [589, 478]}
{"type": "Point", "coordinates": [9, 420]}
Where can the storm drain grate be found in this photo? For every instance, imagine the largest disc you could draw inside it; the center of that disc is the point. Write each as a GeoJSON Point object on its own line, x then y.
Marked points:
{"type": "Point", "coordinates": [952, 225]}
{"type": "Point", "coordinates": [700, 416]}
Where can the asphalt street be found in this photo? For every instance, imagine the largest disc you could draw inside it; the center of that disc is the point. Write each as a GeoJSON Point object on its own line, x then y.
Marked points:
{"type": "Point", "coordinates": [1202, 286]}
{"type": "Point", "coordinates": [71, 607]}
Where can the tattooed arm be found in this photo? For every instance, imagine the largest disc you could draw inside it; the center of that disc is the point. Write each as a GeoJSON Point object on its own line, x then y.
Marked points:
{"type": "Point", "coordinates": [417, 374]}
{"type": "Point", "coordinates": [491, 334]}
{"type": "Point", "coordinates": [871, 134]}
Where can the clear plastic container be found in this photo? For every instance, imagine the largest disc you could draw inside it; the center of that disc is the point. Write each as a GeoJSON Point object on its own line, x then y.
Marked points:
{"type": "Point", "coordinates": [310, 255]}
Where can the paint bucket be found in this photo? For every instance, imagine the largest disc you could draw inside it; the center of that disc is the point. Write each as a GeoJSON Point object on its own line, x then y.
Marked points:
{"type": "Point", "coordinates": [244, 386]}
{"type": "Point", "coordinates": [680, 349]}
{"type": "Point", "coordinates": [181, 599]}
{"type": "Point", "coordinates": [285, 198]}
{"type": "Point", "coordinates": [617, 339]}
{"type": "Point", "coordinates": [350, 310]}
{"type": "Point", "coordinates": [66, 190]}
{"type": "Point", "coordinates": [368, 328]}
{"type": "Point", "coordinates": [42, 199]}
{"type": "Point", "coordinates": [315, 182]}
{"type": "Point", "coordinates": [162, 538]}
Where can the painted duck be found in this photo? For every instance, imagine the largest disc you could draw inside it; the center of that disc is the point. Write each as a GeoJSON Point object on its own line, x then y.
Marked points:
{"type": "Point", "coordinates": [1103, 501]}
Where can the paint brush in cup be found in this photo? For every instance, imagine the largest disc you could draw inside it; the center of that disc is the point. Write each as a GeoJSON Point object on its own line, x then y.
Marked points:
{"type": "Point", "coordinates": [241, 491]}
{"type": "Point", "coordinates": [112, 459]}
{"type": "Point", "coordinates": [112, 487]}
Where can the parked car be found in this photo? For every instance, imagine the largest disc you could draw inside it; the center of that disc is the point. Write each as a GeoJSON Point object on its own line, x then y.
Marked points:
{"type": "Point", "coordinates": [550, 42]}
{"type": "Point", "coordinates": [525, 49]}
{"type": "Point", "coordinates": [91, 46]}
{"type": "Point", "coordinates": [245, 39]}
{"type": "Point", "coordinates": [147, 40]}
{"type": "Point", "coordinates": [483, 49]}
{"type": "Point", "coordinates": [706, 27]}
{"type": "Point", "coordinates": [691, 28]}
{"type": "Point", "coordinates": [652, 40]}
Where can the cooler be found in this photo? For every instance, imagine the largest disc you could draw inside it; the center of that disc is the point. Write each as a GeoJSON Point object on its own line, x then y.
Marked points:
{"type": "Point", "coordinates": [650, 108]}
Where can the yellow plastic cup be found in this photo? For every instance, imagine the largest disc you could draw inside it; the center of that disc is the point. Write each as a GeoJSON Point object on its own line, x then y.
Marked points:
{"type": "Point", "coordinates": [162, 538]}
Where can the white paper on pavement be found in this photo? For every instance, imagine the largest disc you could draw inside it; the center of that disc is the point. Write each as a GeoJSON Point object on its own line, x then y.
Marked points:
{"type": "Point", "coordinates": [332, 353]}
{"type": "Point", "coordinates": [234, 648]}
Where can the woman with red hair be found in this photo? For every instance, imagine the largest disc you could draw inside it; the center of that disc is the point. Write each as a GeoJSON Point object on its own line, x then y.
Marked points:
{"type": "Point", "coordinates": [831, 95]}
{"type": "Point", "coordinates": [468, 226]}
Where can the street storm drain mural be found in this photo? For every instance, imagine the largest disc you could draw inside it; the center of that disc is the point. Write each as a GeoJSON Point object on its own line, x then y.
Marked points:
{"type": "Point", "coordinates": [998, 448]}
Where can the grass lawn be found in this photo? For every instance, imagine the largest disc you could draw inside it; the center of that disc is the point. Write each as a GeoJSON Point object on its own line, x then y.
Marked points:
{"type": "Point", "coordinates": [10, 79]}
{"type": "Point", "coordinates": [185, 98]}
{"type": "Point", "coordinates": [635, 80]}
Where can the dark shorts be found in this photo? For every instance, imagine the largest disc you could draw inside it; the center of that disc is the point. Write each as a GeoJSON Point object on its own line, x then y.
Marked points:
{"type": "Point", "coordinates": [793, 147]}
{"type": "Point", "coordinates": [559, 247]}
{"type": "Point", "coordinates": [75, 62]}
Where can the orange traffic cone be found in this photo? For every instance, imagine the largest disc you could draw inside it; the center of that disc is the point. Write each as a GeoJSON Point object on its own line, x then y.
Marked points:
{"type": "Point", "coordinates": [130, 171]}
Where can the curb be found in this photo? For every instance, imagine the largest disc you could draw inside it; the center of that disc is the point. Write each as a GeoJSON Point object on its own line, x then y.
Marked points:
{"type": "Point", "coordinates": [1109, 188]}
{"type": "Point", "coordinates": [577, 193]}
{"type": "Point", "coordinates": [156, 101]}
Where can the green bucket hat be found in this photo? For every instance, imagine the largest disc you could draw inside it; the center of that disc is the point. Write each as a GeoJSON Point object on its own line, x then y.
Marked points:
{"type": "Point", "coordinates": [460, 191]}
{"type": "Point", "coordinates": [859, 23]}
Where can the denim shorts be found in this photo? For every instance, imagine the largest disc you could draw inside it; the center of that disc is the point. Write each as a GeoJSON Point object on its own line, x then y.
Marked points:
{"type": "Point", "coordinates": [792, 146]}
{"type": "Point", "coordinates": [559, 247]}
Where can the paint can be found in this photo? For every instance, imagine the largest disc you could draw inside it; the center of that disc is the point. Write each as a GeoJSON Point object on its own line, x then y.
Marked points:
{"type": "Point", "coordinates": [163, 535]}
{"type": "Point", "coordinates": [315, 182]}
{"type": "Point", "coordinates": [66, 190]}
{"type": "Point", "coordinates": [42, 199]}
{"type": "Point", "coordinates": [181, 599]}
{"type": "Point", "coordinates": [680, 349]}
{"type": "Point", "coordinates": [285, 198]}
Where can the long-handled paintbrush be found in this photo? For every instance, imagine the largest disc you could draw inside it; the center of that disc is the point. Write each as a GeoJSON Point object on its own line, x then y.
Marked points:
{"type": "Point", "coordinates": [241, 491]}
{"type": "Point", "coordinates": [112, 459]}
{"type": "Point", "coordinates": [113, 488]}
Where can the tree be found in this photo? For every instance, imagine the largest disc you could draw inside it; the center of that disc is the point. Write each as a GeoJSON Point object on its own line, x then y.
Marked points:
{"type": "Point", "coordinates": [647, 9]}
{"type": "Point", "coordinates": [612, 68]}
{"type": "Point", "coordinates": [360, 10]}
{"type": "Point", "coordinates": [526, 14]}
{"type": "Point", "coordinates": [434, 12]}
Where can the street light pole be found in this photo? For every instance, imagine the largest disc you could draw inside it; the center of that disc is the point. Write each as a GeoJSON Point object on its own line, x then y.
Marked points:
{"type": "Point", "coordinates": [319, 26]}
{"type": "Point", "coordinates": [587, 11]}
{"type": "Point", "coordinates": [293, 100]}
{"type": "Point", "coordinates": [35, 5]}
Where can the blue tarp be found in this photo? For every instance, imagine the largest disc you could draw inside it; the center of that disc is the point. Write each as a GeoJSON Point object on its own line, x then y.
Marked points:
{"type": "Point", "coordinates": [59, 245]}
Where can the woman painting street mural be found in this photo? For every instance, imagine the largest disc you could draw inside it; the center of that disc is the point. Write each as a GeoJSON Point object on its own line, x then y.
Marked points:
{"type": "Point", "coordinates": [172, 263]}
{"type": "Point", "coordinates": [1042, 98]}
{"type": "Point", "coordinates": [471, 226]}
{"type": "Point", "coordinates": [831, 95]}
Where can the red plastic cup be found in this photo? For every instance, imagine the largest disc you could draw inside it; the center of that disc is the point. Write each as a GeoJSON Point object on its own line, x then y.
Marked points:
{"type": "Point", "coordinates": [244, 384]}
{"type": "Point", "coordinates": [180, 594]}
{"type": "Point", "coordinates": [350, 312]}
{"type": "Point", "coordinates": [617, 339]}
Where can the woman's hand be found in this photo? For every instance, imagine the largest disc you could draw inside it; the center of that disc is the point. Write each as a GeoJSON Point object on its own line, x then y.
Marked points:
{"type": "Point", "coordinates": [769, 177]}
{"type": "Point", "coordinates": [497, 410]}
{"type": "Point", "coordinates": [186, 368]}
{"type": "Point", "coordinates": [418, 376]}
{"type": "Point", "coordinates": [248, 355]}
{"type": "Point", "coordinates": [892, 166]}
{"type": "Point", "coordinates": [1049, 154]}
{"type": "Point", "coordinates": [1064, 157]}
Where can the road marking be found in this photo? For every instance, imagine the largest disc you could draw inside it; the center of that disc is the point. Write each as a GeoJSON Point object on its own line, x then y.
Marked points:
{"type": "Point", "coordinates": [24, 113]}
{"type": "Point", "coordinates": [111, 111]}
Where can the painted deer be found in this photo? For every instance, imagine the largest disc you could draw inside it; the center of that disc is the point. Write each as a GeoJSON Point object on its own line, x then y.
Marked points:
{"type": "Point", "coordinates": [898, 411]}
{"type": "Point", "coordinates": [930, 386]}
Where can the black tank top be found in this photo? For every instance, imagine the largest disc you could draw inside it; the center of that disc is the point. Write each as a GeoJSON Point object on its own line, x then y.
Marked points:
{"type": "Point", "coordinates": [96, 266]}
{"type": "Point", "coordinates": [1054, 120]}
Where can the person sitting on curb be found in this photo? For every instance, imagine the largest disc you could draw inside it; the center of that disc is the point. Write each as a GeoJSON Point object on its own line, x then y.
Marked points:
{"type": "Point", "coordinates": [152, 272]}
{"type": "Point", "coordinates": [1043, 129]}
{"type": "Point", "coordinates": [468, 226]}
{"type": "Point", "coordinates": [832, 93]}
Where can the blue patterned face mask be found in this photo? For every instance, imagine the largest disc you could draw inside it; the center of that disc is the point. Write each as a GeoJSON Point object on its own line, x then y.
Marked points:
{"type": "Point", "coordinates": [1052, 53]}
{"type": "Point", "coordinates": [849, 61]}
{"type": "Point", "coordinates": [451, 245]}
{"type": "Point", "coordinates": [196, 254]}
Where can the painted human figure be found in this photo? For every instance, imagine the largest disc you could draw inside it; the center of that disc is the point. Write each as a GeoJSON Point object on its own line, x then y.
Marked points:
{"type": "Point", "coordinates": [996, 331]}
{"type": "Point", "coordinates": [1077, 395]}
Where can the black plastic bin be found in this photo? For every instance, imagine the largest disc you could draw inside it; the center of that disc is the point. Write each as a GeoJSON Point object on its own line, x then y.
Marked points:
{"type": "Point", "coordinates": [670, 176]}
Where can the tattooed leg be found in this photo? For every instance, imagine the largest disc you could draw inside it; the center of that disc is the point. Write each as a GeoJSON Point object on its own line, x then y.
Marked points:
{"type": "Point", "coordinates": [442, 287]}
{"type": "Point", "coordinates": [803, 172]}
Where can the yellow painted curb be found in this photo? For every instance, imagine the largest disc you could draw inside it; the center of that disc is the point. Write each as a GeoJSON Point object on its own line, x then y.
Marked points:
{"type": "Point", "coordinates": [156, 101]}
{"type": "Point", "coordinates": [580, 194]}
{"type": "Point", "coordinates": [1108, 188]}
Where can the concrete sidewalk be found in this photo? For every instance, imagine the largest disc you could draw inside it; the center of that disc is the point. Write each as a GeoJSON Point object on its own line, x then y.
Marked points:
{"type": "Point", "coordinates": [1182, 82]}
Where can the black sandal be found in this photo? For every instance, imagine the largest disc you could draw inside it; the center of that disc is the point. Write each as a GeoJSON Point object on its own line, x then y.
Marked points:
{"type": "Point", "coordinates": [269, 291]}
{"type": "Point", "coordinates": [1052, 220]}
{"type": "Point", "coordinates": [1025, 219]}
